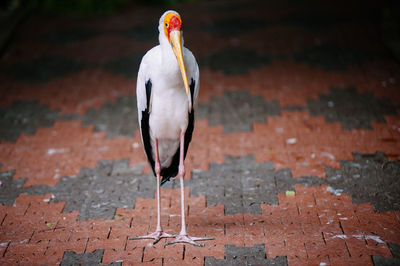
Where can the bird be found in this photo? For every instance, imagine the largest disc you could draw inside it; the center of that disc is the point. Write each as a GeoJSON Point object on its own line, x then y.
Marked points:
{"type": "Point", "coordinates": [166, 91]}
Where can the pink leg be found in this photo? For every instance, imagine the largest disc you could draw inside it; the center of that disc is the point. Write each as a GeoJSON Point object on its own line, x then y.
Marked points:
{"type": "Point", "coordinates": [183, 237]}
{"type": "Point", "coordinates": [159, 233]}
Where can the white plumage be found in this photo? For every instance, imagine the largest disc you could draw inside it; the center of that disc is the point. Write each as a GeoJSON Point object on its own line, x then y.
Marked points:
{"type": "Point", "coordinates": [167, 90]}
{"type": "Point", "coordinates": [169, 104]}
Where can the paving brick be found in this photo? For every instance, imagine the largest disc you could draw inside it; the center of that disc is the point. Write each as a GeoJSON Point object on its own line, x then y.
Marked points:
{"type": "Point", "coordinates": [295, 168]}
{"type": "Point", "coordinates": [108, 117]}
{"type": "Point", "coordinates": [336, 247]}
{"type": "Point", "coordinates": [44, 69]}
{"type": "Point", "coordinates": [234, 61]}
{"type": "Point", "coordinates": [26, 252]}
{"type": "Point", "coordinates": [125, 257]}
{"type": "Point", "coordinates": [63, 150]}
{"type": "Point", "coordinates": [300, 156]}
{"type": "Point", "coordinates": [214, 250]}
{"type": "Point", "coordinates": [326, 56]}
{"type": "Point", "coordinates": [114, 243]}
{"type": "Point", "coordinates": [70, 35]}
{"type": "Point", "coordinates": [24, 117]}
{"type": "Point", "coordinates": [95, 88]}
{"type": "Point", "coordinates": [186, 261]}
{"type": "Point", "coordinates": [261, 183]}
{"type": "Point", "coordinates": [378, 260]}
{"type": "Point", "coordinates": [228, 109]}
{"type": "Point", "coordinates": [71, 258]}
{"type": "Point", "coordinates": [235, 26]}
{"type": "Point", "coordinates": [364, 108]}
{"type": "Point", "coordinates": [362, 260]}
{"type": "Point", "coordinates": [280, 241]}
{"type": "Point", "coordinates": [127, 66]}
{"type": "Point", "coordinates": [322, 260]}
{"type": "Point", "coordinates": [387, 260]}
{"type": "Point", "coordinates": [253, 255]}
{"type": "Point", "coordinates": [152, 253]}
{"type": "Point", "coordinates": [283, 60]}
{"type": "Point", "coordinates": [60, 234]}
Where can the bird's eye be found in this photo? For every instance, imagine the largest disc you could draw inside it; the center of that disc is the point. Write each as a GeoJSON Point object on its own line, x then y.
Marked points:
{"type": "Point", "coordinates": [166, 25]}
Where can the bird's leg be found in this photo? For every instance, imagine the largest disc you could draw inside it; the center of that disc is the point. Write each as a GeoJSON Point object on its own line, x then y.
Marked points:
{"type": "Point", "coordinates": [183, 236]}
{"type": "Point", "coordinates": [159, 233]}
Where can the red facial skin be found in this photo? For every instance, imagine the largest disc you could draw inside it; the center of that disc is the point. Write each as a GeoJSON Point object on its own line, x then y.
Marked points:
{"type": "Point", "coordinates": [174, 24]}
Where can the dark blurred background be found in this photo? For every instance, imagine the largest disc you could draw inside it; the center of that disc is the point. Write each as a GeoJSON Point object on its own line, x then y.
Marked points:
{"type": "Point", "coordinates": [12, 12]}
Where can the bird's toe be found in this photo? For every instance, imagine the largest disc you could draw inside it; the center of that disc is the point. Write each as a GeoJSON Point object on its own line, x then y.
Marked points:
{"type": "Point", "coordinates": [189, 240]}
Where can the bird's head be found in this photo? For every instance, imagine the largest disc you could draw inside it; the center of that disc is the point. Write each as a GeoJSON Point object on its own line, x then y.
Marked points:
{"type": "Point", "coordinates": [171, 26]}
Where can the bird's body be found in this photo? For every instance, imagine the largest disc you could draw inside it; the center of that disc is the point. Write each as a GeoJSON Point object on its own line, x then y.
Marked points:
{"type": "Point", "coordinates": [169, 112]}
{"type": "Point", "coordinates": [167, 89]}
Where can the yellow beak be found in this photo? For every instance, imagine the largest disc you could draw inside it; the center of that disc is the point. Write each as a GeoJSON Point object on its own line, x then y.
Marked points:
{"type": "Point", "coordinates": [176, 43]}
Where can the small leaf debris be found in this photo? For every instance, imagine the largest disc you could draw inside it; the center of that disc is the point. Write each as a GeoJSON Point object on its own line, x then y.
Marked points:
{"type": "Point", "coordinates": [290, 193]}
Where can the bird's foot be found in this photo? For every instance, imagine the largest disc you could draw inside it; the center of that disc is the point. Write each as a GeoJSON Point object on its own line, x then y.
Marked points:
{"type": "Point", "coordinates": [189, 240]}
{"type": "Point", "coordinates": [157, 236]}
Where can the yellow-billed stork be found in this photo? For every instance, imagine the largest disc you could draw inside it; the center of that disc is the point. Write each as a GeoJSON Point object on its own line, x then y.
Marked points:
{"type": "Point", "coordinates": [167, 89]}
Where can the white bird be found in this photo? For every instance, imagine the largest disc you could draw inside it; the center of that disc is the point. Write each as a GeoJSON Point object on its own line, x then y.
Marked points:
{"type": "Point", "coordinates": [166, 105]}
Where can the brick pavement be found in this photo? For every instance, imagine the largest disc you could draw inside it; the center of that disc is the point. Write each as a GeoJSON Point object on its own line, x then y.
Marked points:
{"type": "Point", "coordinates": [295, 158]}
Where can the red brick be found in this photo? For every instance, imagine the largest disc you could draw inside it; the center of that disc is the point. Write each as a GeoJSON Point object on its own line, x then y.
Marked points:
{"type": "Point", "coordinates": [158, 251]}
{"type": "Point", "coordinates": [211, 249]}
{"type": "Point", "coordinates": [26, 250]}
{"type": "Point", "coordinates": [3, 247]}
{"type": "Point", "coordinates": [295, 246]}
{"type": "Point", "coordinates": [254, 234]}
{"type": "Point", "coordinates": [186, 261]}
{"type": "Point", "coordinates": [154, 262]}
{"type": "Point", "coordinates": [336, 246]}
{"type": "Point", "coordinates": [15, 236]}
{"type": "Point", "coordinates": [118, 232]}
{"type": "Point", "coordinates": [302, 239]}
{"type": "Point", "coordinates": [378, 248]}
{"type": "Point", "coordinates": [78, 246]}
{"type": "Point", "coordinates": [127, 257]}
{"type": "Point", "coordinates": [351, 261]}
{"type": "Point", "coordinates": [357, 246]}
{"type": "Point", "coordinates": [76, 140]}
{"type": "Point", "coordinates": [275, 247]}
{"type": "Point", "coordinates": [69, 97]}
{"type": "Point", "coordinates": [67, 220]}
{"type": "Point", "coordinates": [9, 260]}
{"type": "Point", "coordinates": [117, 244]}
{"type": "Point", "coordinates": [316, 247]}
{"type": "Point", "coordinates": [321, 260]}
{"type": "Point", "coordinates": [52, 256]}
{"type": "Point", "coordinates": [59, 234]}
{"type": "Point", "coordinates": [234, 231]}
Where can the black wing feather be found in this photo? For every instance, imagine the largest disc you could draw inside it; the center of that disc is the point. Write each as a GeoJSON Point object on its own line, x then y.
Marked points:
{"type": "Point", "coordinates": [145, 127]}
{"type": "Point", "coordinates": [173, 169]}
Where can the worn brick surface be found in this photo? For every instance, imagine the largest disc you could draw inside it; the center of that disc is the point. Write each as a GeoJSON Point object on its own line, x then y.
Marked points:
{"type": "Point", "coordinates": [24, 117]}
{"type": "Point", "coordinates": [295, 140]}
{"type": "Point", "coordinates": [62, 151]}
{"type": "Point", "coordinates": [296, 223]}
{"type": "Point", "coordinates": [245, 256]}
{"type": "Point", "coordinates": [245, 187]}
{"type": "Point", "coordinates": [351, 109]}
{"type": "Point", "coordinates": [237, 111]}
{"type": "Point", "coordinates": [74, 93]}
{"type": "Point", "coordinates": [108, 117]}
{"type": "Point", "coordinates": [294, 158]}
{"type": "Point", "coordinates": [49, 68]}
{"type": "Point", "coordinates": [94, 192]}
